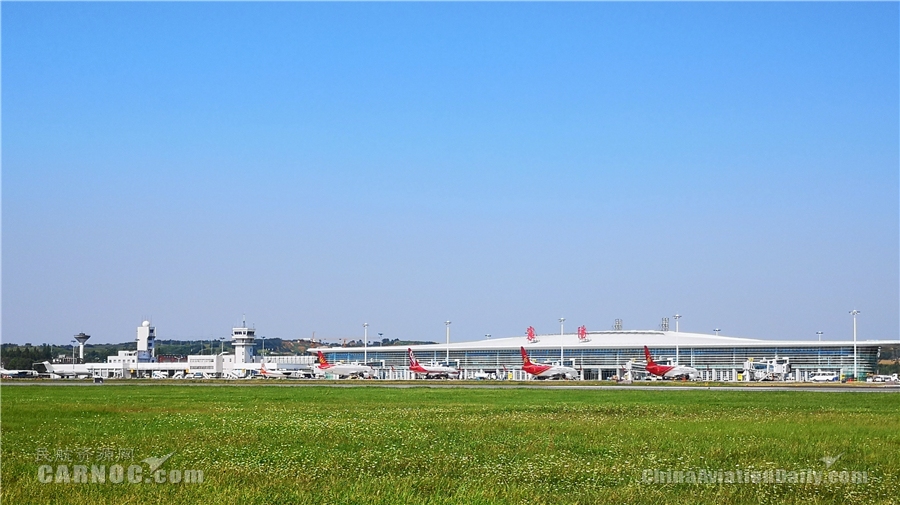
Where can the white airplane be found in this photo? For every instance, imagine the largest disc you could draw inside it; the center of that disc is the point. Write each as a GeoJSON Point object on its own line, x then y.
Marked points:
{"type": "Point", "coordinates": [17, 374]}
{"type": "Point", "coordinates": [272, 374]}
{"type": "Point", "coordinates": [547, 371]}
{"type": "Point", "coordinates": [430, 371]}
{"type": "Point", "coordinates": [341, 369]}
{"type": "Point", "coordinates": [668, 371]}
{"type": "Point", "coordinates": [67, 370]}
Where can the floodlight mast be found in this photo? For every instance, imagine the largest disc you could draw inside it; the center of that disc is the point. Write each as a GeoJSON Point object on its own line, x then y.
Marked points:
{"type": "Point", "coordinates": [448, 340]}
{"type": "Point", "coordinates": [365, 342]}
{"type": "Point", "coordinates": [854, 312]}
{"type": "Point", "coordinates": [677, 317]}
{"type": "Point", "coordinates": [562, 321]}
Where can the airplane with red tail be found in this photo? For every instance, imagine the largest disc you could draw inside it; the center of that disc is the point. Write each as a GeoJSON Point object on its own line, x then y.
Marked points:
{"type": "Point", "coordinates": [272, 374]}
{"type": "Point", "coordinates": [342, 370]}
{"type": "Point", "coordinates": [668, 371]}
{"type": "Point", "coordinates": [547, 371]}
{"type": "Point", "coordinates": [430, 371]}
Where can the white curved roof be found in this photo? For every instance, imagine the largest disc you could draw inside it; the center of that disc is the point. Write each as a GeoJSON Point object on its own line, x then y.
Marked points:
{"type": "Point", "coordinates": [617, 339]}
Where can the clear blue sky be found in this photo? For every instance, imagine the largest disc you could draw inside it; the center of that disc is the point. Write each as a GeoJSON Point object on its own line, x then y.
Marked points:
{"type": "Point", "coordinates": [316, 166]}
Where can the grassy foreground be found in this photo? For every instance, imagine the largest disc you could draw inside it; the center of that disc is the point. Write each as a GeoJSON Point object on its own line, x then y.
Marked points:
{"type": "Point", "coordinates": [314, 444]}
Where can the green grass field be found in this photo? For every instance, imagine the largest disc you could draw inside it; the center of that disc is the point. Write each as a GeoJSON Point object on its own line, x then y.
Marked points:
{"type": "Point", "coordinates": [315, 444]}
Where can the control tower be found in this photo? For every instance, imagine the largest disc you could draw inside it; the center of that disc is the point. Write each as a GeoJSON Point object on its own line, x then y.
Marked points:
{"type": "Point", "coordinates": [146, 343]}
{"type": "Point", "coordinates": [243, 339]}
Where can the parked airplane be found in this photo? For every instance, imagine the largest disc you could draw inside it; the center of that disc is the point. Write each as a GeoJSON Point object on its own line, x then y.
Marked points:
{"type": "Point", "coordinates": [430, 371]}
{"type": "Point", "coordinates": [546, 371]}
{"type": "Point", "coordinates": [668, 371]}
{"type": "Point", "coordinates": [17, 374]}
{"type": "Point", "coordinates": [273, 374]}
{"type": "Point", "coordinates": [66, 370]}
{"type": "Point", "coordinates": [342, 370]}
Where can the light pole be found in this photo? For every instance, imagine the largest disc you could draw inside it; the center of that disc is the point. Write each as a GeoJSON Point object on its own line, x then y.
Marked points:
{"type": "Point", "coordinates": [222, 346]}
{"type": "Point", "coordinates": [448, 340]}
{"type": "Point", "coordinates": [365, 342]}
{"type": "Point", "coordinates": [677, 350]}
{"type": "Point", "coordinates": [819, 333]}
{"type": "Point", "coordinates": [561, 321]}
{"type": "Point", "coordinates": [717, 331]}
{"type": "Point", "coordinates": [73, 353]}
{"type": "Point", "coordinates": [487, 336]}
{"type": "Point", "coordinates": [854, 312]}
{"type": "Point", "coordinates": [677, 317]}
{"type": "Point", "coordinates": [381, 342]}
{"type": "Point", "coordinates": [263, 351]}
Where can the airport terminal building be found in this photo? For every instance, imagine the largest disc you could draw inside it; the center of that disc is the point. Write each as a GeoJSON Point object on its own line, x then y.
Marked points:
{"type": "Point", "coordinates": [605, 354]}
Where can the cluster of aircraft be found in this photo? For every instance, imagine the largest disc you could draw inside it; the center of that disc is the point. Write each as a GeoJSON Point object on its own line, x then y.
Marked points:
{"type": "Point", "coordinates": [438, 371]}
{"type": "Point", "coordinates": [429, 371]}
{"type": "Point", "coordinates": [322, 368]}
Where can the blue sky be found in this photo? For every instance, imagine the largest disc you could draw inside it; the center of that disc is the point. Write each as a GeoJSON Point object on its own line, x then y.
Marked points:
{"type": "Point", "coordinates": [316, 166]}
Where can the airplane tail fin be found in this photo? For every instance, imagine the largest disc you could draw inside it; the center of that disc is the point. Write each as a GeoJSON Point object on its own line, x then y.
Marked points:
{"type": "Point", "coordinates": [262, 369]}
{"type": "Point", "coordinates": [525, 359]}
{"type": "Point", "coordinates": [647, 355]}
{"type": "Point", "coordinates": [322, 360]}
{"type": "Point", "coordinates": [412, 357]}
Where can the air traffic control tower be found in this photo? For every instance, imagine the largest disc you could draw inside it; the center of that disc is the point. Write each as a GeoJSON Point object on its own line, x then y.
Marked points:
{"type": "Point", "coordinates": [243, 339]}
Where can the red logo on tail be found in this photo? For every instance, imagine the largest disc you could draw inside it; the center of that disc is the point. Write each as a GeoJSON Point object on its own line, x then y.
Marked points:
{"type": "Point", "coordinates": [525, 359]}
{"type": "Point", "coordinates": [647, 355]}
{"type": "Point", "coordinates": [322, 360]}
